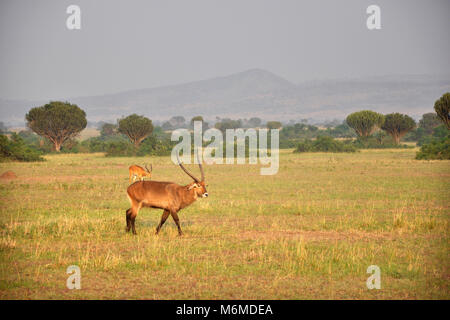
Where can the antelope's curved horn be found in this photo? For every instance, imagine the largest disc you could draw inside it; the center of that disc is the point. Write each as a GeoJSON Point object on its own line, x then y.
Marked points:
{"type": "Point", "coordinates": [200, 166]}
{"type": "Point", "coordinates": [185, 170]}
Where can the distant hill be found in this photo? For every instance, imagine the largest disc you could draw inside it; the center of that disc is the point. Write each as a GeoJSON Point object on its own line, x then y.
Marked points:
{"type": "Point", "coordinates": [259, 93]}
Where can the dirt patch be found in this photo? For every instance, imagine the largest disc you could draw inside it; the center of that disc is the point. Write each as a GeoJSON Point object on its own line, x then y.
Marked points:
{"type": "Point", "coordinates": [8, 175]}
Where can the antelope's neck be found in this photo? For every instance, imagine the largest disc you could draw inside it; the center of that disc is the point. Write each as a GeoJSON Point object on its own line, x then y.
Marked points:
{"type": "Point", "coordinates": [190, 197]}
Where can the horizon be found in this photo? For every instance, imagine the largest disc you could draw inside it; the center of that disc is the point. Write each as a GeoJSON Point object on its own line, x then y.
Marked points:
{"type": "Point", "coordinates": [302, 83]}
{"type": "Point", "coordinates": [310, 95]}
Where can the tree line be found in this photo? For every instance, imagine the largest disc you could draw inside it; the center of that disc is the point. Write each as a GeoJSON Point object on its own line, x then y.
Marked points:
{"type": "Point", "coordinates": [59, 123]}
{"type": "Point", "coordinates": [372, 128]}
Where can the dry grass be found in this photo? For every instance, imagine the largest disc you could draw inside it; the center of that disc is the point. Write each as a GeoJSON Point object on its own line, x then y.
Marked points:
{"type": "Point", "coordinates": [309, 232]}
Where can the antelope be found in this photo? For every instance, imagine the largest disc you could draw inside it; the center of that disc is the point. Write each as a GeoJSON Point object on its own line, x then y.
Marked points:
{"type": "Point", "coordinates": [169, 196]}
{"type": "Point", "coordinates": [139, 172]}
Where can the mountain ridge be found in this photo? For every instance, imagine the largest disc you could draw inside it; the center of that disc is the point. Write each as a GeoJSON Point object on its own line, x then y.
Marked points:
{"type": "Point", "coordinates": [257, 92]}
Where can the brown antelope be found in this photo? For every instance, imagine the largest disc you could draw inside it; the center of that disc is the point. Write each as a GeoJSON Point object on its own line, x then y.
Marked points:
{"type": "Point", "coordinates": [169, 196]}
{"type": "Point", "coordinates": [137, 172]}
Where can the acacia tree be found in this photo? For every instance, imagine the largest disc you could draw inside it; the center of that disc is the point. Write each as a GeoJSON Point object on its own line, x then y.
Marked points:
{"type": "Point", "coordinates": [365, 122]}
{"type": "Point", "coordinates": [199, 118]}
{"type": "Point", "coordinates": [442, 108]}
{"type": "Point", "coordinates": [254, 122]}
{"type": "Point", "coordinates": [225, 124]}
{"type": "Point", "coordinates": [57, 121]}
{"type": "Point", "coordinates": [273, 125]}
{"type": "Point", "coordinates": [196, 118]}
{"type": "Point", "coordinates": [136, 128]}
{"type": "Point", "coordinates": [397, 125]}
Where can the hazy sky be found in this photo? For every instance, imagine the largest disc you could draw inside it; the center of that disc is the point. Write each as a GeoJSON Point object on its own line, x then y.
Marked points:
{"type": "Point", "coordinates": [125, 45]}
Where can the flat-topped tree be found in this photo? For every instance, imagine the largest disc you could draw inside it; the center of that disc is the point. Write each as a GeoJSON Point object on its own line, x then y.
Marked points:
{"type": "Point", "coordinates": [199, 118]}
{"type": "Point", "coordinates": [57, 121]}
{"type": "Point", "coordinates": [442, 108]}
{"type": "Point", "coordinates": [365, 122]}
{"type": "Point", "coordinates": [397, 125]}
{"type": "Point", "coordinates": [273, 125]}
{"type": "Point", "coordinates": [196, 118]}
{"type": "Point", "coordinates": [136, 128]}
{"type": "Point", "coordinates": [254, 122]}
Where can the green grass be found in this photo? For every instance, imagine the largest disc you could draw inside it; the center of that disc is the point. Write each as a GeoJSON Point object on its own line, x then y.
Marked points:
{"type": "Point", "coordinates": [308, 232]}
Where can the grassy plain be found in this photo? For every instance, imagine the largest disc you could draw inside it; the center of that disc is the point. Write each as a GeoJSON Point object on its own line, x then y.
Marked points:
{"type": "Point", "coordinates": [308, 232]}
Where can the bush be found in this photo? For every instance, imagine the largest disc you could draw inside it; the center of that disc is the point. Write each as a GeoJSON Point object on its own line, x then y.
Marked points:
{"type": "Point", "coordinates": [380, 140]}
{"type": "Point", "coordinates": [288, 143]}
{"type": "Point", "coordinates": [341, 131]}
{"type": "Point", "coordinates": [155, 146]}
{"type": "Point", "coordinates": [120, 149]}
{"type": "Point", "coordinates": [150, 146]}
{"type": "Point", "coordinates": [101, 143]}
{"type": "Point", "coordinates": [438, 149]}
{"type": "Point", "coordinates": [44, 146]}
{"type": "Point", "coordinates": [16, 149]}
{"type": "Point", "coordinates": [325, 144]}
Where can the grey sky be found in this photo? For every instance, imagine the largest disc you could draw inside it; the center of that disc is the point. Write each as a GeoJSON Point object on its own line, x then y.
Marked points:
{"type": "Point", "coordinates": [140, 44]}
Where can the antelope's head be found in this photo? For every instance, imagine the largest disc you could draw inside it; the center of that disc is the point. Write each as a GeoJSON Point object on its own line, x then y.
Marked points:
{"type": "Point", "coordinates": [199, 186]}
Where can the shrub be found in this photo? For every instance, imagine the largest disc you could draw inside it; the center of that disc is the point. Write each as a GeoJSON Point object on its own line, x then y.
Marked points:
{"type": "Point", "coordinates": [380, 140]}
{"type": "Point", "coordinates": [120, 149]}
{"type": "Point", "coordinates": [438, 149]}
{"type": "Point", "coordinates": [16, 149]}
{"type": "Point", "coordinates": [150, 146]}
{"type": "Point", "coordinates": [155, 147]}
{"type": "Point", "coordinates": [325, 144]}
{"type": "Point", "coordinates": [439, 132]}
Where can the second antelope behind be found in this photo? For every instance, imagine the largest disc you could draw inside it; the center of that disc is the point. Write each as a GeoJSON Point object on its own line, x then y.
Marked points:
{"type": "Point", "coordinates": [137, 172]}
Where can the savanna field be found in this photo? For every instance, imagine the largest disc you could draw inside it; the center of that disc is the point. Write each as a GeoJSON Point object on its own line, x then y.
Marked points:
{"type": "Point", "coordinates": [309, 232]}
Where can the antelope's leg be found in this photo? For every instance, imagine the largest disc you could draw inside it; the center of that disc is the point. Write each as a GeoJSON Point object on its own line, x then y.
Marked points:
{"type": "Point", "coordinates": [133, 218]}
{"type": "Point", "coordinates": [164, 217]}
{"type": "Point", "coordinates": [128, 215]}
{"type": "Point", "coordinates": [177, 221]}
{"type": "Point", "coordinates": [134, 212]}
